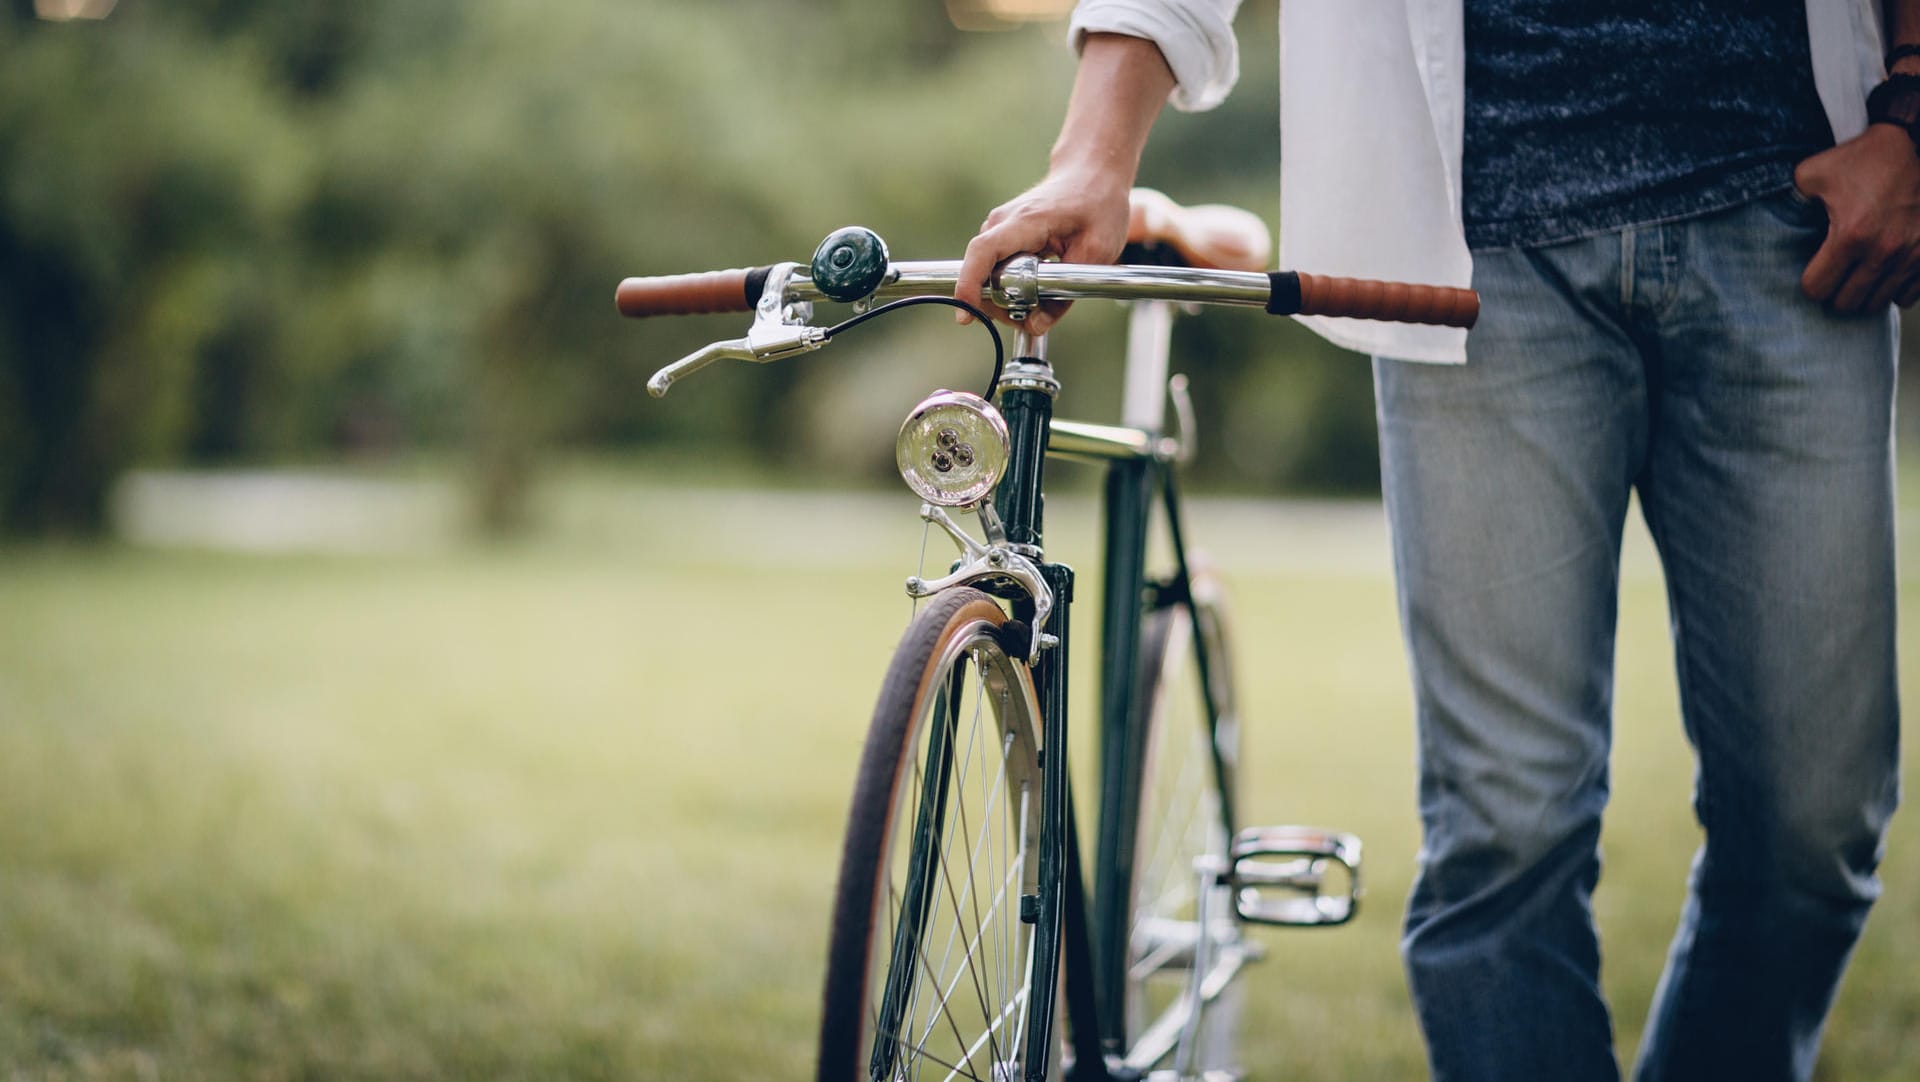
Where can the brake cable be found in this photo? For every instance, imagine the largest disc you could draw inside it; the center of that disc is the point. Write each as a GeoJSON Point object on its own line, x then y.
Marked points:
{"type": "Point", "coordinates": [999, 349]}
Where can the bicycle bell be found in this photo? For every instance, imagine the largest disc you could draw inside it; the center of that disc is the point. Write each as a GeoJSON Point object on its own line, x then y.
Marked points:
{"type": "Point", "coordinates": [850, 264]}
{"type": "Point", "coordinates": [953, 448]}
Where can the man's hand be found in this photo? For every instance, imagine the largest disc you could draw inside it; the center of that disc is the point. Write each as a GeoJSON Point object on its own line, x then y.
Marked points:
{"type": "Point", "coordinates": [1870, 186]}
{"type": "Point", "coordinates": [1079, 218]}
{"type": "Point", "coordinates": [1079, 212]}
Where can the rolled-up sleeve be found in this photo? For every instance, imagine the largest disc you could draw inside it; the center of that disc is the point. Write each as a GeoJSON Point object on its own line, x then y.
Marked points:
{"type": "Point", "coordinates": [1196, 37]}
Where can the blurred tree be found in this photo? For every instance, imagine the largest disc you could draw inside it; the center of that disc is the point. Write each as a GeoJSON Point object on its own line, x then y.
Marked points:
{"type": "Point", "coordinates": [243, 231]}
{"type": "Point", "coordinates": [145, 183]}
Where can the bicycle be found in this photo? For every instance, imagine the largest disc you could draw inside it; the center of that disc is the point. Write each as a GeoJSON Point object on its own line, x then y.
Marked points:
{"type": "Point", "coordinates": [963, 921]}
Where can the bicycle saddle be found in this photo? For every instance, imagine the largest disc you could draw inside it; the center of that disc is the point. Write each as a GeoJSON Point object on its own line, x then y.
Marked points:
{"type": "Point", "coordinates": [1212, 235]}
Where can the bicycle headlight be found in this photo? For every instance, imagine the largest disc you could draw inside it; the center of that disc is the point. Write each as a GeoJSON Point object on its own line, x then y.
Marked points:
{"type": "Point", "coordinates": [953, 448]}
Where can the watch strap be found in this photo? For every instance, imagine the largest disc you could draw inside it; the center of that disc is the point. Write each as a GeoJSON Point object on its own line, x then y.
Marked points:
{"type": "Point", "coordinates": [1896, 101]}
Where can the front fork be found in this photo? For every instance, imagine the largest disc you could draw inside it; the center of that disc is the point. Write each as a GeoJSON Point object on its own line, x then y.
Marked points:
{"type": "Point", "coordinates": [1027, 389]}
{"type": "Point", "coordinates": [1061, 912]}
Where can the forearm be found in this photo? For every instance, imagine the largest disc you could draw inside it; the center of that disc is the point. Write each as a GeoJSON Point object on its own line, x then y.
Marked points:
{"type": "Point", "coordinates": [1078, 212]}
{"type": "Point", "coordinates": [1118, 91]}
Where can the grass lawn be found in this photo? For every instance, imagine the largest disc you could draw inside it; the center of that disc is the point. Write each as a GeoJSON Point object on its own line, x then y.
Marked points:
{"type": "Point", "coordinates": [569, 809]}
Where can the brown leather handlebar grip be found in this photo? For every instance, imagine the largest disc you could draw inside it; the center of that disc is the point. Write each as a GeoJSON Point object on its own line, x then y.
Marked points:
{"type": "Point", "coordinates": [691, 294]}
{"type": "Point", "coordinates": [1361, 298]}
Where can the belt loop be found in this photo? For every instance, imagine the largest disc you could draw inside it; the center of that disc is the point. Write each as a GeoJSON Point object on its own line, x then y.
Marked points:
{"type": "Point", "coordinates": [1626, 268]}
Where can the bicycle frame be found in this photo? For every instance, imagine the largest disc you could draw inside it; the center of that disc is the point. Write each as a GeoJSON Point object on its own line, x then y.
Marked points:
{"type": "Point", "coordinates": [1138, 463]}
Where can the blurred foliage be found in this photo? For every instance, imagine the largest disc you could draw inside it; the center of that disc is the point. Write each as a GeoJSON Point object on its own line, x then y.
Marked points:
{"type": "Point", "coordinates": [234, 231]}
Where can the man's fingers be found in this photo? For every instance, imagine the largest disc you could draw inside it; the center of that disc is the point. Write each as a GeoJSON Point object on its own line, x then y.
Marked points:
{"type": "Point", "coordinates": [989, 249]}
{"type": "Point", "coordinates": [1826, 271]}
{"type": "Point", "coordinates": [1041, 319]}
{"type": "Point", "coordinates": [1043, 222]}
{"type": "Point", "coordinates": [1907, 287]}
{"type": "Point", "coordinates": [983, 253]}
{"type": "Point", "coordinates": [1804, 180]}
{"type": "Point", "coordinates": [1862, 284]}
{"type": "Point", "coordinates": [1890, 286]}
{"type": "Point", "coordinates": [1853, 292]}
{"type": "Point", "coordinates": [1038, 322]}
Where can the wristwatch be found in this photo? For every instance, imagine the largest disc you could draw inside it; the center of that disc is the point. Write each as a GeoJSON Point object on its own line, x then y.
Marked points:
{"type": "Point", "coordinates": [1897, 101]}
{"type": "Point", "coordinates": [1901, 52]}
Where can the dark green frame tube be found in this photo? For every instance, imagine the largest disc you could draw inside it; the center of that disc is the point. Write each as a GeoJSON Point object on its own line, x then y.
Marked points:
{"type": "Point", "coordinates": [1129, 499]}
{"type": "Point", "coordinates": [1018, 499]}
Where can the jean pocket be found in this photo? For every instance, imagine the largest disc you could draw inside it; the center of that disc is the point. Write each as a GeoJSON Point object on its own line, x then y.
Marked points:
{"type": "Point", "coordinates": [1795, 208]}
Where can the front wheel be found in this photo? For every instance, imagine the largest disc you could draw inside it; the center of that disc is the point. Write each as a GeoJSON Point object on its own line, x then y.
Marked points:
{"type": "Point", "coordinates": [930, 965]}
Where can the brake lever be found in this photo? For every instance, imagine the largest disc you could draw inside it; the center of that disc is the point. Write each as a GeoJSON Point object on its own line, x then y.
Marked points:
{"type": "Point", "coordinates": [779, 331]}
{"type": "Point", "coordinates": [736, 349]}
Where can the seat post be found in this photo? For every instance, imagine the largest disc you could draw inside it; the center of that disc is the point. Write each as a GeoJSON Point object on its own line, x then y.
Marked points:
{"type": "Point", "coordinates": [1149, 338]}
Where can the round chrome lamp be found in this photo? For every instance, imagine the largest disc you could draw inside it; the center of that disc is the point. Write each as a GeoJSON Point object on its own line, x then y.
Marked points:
{"type": "Point", "coordinates": [952, 448]}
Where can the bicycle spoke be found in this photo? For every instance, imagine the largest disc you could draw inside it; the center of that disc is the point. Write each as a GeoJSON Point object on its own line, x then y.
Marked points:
{"type": "Point", "coordinates": [985, 939]}
{"type": "Point", "coordinates": [950, 703]}
{"type": "Point", "coordinates": [981, 933]}
{"type": "Point", "coordinates": [931, 906]}
{"type": "Point", "coordinates": [998, 1021]}
{"type": "Point", "coordinates": [1174, 829]}
{"type": "Point", "coordinates": [959, 1041]}
{"type": "Point", "coordinates": [941, 1013]}
{"type": "Point", "coordinates": [980, 992]}
{"type": "Point", "coordinates": [993, 910]}
{"type": "Point", "coordinates": [1026, 977]}
{"type": "Point", "coordinates": [952, 936]}
{"type": "Point", "coordinates": [922, 1054]}
{"type": "Point", "coordinates": [1003, 945]}
{"type": "Point", "coordinates": [1166, 839]}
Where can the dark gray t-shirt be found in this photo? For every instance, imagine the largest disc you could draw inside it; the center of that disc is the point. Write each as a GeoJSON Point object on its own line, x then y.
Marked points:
{"type": "Point", "coordinates": [1584, 116]}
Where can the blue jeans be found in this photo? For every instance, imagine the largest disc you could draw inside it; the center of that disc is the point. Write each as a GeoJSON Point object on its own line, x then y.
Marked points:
{"type": "Point", "coordinates": [1679, 361]}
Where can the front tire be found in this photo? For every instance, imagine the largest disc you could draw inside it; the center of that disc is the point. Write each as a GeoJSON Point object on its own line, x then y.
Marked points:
{"type": "Point", "coordinates": [929, 968]}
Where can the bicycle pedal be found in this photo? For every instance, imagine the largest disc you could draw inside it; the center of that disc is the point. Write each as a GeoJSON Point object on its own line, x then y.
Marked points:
{"type": "Point", "coordinates": [1295, 876]}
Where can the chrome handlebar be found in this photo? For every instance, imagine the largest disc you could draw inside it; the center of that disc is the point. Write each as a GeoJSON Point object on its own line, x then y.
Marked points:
{"type": "Point", "coordinates": [1025, 281]}
{"type": "Point", "coordinates": [780, 328]}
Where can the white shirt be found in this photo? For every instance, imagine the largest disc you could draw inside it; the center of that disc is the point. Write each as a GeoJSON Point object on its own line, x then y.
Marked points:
{"type": "Point", "coordinates": [1371, 105]}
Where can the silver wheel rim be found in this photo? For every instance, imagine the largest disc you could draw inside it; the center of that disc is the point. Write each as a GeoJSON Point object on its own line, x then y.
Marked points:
{"type": "Point", "coordinates": [961, 1013]}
